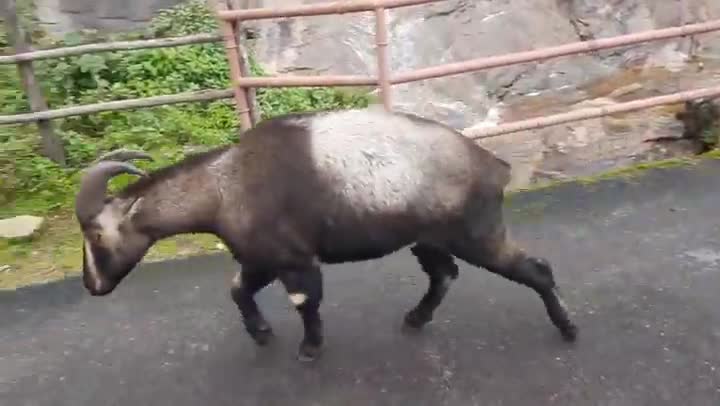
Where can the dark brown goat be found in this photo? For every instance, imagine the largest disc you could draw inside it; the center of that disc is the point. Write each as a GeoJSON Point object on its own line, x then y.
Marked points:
{"type": "Point", "coordinates": [305, 189]}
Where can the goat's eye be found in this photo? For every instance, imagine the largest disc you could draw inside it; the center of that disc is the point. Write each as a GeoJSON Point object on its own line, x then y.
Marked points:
{"type": "Point", "coordinates": [98, 237]}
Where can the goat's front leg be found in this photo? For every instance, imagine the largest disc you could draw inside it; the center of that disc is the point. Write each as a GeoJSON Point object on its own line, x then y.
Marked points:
{"type": "Point", "coordinates": [246, 284]}
{"type": "Point", "coordinates": [305, 290]}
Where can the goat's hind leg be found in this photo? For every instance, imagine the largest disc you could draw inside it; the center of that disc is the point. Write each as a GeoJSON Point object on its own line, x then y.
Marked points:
{"type": "Point", "coordinates": [441, 271]}
{"type": "Point", "coordinates": [499, 255]}
{"type": "Point", "coordinates": [246, 284]}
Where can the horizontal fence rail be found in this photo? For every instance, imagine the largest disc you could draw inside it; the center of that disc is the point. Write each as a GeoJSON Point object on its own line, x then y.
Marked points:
{"type": "Point", "coordinates": [488, 132]}
{"type": "Point", "coordinates": [557, 51]}
{"type": "Point", "coordinates": [117, 105]}
{"type": "Point", "coordinates": [109, 47]}
{"type": "Point", "coordinates": [308, 10]}
{"type": "Point", "coordinates": [593, 112]}
{"type": "Point", "coordinates": [484, 63]}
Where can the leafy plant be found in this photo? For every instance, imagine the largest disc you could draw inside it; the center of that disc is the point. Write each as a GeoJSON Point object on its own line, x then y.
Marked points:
{"type": "Point", "coordinates": [191, 17]}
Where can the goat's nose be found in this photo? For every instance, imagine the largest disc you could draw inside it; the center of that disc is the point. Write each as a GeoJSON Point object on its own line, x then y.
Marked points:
{"type": "Point", "coordinates": [95, 285]}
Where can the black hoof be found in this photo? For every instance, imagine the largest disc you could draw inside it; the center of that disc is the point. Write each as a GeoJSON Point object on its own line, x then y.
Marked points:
{"type": "Point", "coordinates": [569, 332]}
{"type": "Point", "coordinates": [308, 352]}
{"type": "Point", "coordinates": [416, 320]}
{"type": "Point", "coordinates": [262, 335]}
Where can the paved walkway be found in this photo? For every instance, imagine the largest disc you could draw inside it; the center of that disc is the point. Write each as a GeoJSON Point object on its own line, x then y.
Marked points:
{"type": "Point", "coordinates": [639, 263]}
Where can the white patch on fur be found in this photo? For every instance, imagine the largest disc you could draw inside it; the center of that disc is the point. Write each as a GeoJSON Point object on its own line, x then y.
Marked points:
{"type": "Point", "coordinates": [297, 298]}
{"type": "Point", "coordinates": [446, 282]}
{"type": "Point", "coordinates": [134, 208]}
{"type": "Point", "coordinates": [91, 267]}
{"type": "Point", "coordinates": [236, 280]}
{"type": "Point", "coordinates": [381, 162]}
{"type": "Point", "coordinates": [561, 302]}
{"type": "Point", "coordinates": [109, 220]}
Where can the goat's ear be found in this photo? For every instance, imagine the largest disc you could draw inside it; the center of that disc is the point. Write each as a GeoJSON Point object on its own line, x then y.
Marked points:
{"type": "Point", "coordinates": [131, 208]}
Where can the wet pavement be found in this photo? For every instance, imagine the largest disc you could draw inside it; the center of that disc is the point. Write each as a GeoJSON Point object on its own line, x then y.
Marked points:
{"type": "Point", "coordinates": [639, 262]}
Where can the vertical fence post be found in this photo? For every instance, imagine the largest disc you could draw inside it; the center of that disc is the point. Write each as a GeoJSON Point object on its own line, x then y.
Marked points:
{"type": "Point", "coordinates": [51, 145]}
{"type": "Point", "coordinates": [244, 62]}
{"type": "Point", "coordinates": [692, 41]}
{"type": "Point", "coordinates": [231, 51]}
{"type": "Point", "coordinates": [383, 70]}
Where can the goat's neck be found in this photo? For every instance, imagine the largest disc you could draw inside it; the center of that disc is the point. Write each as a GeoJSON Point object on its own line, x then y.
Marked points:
{"type": "Point", "coordinates": [179, 207]}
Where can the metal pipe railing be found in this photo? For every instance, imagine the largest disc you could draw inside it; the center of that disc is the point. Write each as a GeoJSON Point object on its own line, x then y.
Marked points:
{"type": "Point", "coordinates": [383, 65]}
{"type": "Point", "coordinates": [232, 51]}
{"type": "Point", "coordinates": [556, 51]}
{"type": "Point", "coordinates": [309, 10]}
{"type": "Point", "coordinates": [593, 112]}
{"type": "Point", "coordinates": [487, 62]}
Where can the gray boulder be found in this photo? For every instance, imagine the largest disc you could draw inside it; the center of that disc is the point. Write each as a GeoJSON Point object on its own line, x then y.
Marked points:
{"type": "Point", "coordinates": [20, 227]}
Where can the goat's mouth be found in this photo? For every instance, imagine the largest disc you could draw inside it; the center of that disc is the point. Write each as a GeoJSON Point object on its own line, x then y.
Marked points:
{"type": "Point", "coordinates": [98, 286]}
{"type": "Point", "coordinates": [101, 292]}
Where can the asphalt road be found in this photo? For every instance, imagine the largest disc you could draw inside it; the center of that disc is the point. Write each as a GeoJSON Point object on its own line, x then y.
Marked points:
{"type": "Point", "coordinates": [639, 263]}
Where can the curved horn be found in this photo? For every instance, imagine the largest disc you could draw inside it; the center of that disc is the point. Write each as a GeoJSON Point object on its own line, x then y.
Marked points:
{"type": "Point", "coordinates": [123, 155]}
{"type": "Point", "coordinates": [93, 187]}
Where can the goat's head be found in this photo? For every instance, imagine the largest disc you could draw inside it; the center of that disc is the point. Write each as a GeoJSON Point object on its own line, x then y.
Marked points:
{"type": "Point", "coordinates": [112, 243]}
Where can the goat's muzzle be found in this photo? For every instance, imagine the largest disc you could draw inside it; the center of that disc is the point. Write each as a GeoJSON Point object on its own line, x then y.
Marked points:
{"type": "Point", "coordinates": [103, 291]}
{"type": "Point", "coordinates": [95, 282]}
{"type": "Point", "coordinates": [98, 286]}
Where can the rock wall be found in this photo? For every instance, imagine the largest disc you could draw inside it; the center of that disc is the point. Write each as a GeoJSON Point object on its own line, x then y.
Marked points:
{"type": "Point", "coordinates": [61, 16]}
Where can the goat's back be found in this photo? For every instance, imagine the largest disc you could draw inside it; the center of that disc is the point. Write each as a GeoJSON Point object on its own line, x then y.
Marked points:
{"type": "Point", "coordinates": [359, 161]}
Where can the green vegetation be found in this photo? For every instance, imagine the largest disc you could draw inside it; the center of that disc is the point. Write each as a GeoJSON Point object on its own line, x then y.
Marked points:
{"type": "Point", "coordinates": [711, 137]}
{"type": "Point", "coordinates": [32, 184]}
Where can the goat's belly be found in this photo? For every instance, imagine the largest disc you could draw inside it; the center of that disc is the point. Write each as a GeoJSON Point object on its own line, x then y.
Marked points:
{"type": "Point", "coordinates": [371, 225]}
{"type": "Point", "coordinates": [368, 239]}
{"type": "Point", "coordinates": [354, 254]}
{"type": "Point", "coordinates": [348, 248]}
